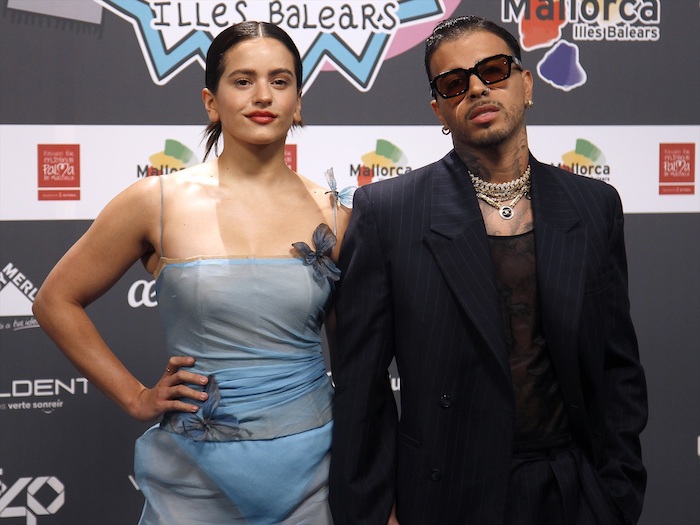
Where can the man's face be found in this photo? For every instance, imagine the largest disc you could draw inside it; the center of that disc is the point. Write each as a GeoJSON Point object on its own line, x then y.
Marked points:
{"type": "Point", "coordinates": [477, 120]}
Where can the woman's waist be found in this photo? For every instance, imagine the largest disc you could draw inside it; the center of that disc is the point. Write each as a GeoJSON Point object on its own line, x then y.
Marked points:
{"type": "Point", "coordinates": [254, 373]}
{"type": "Point", "coordinates": [256, 406]}
{"type": "Point", "coordinates": [215, 356]}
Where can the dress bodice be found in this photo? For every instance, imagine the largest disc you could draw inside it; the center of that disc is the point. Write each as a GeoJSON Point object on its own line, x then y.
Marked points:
{"type": "Point", "coordinates": [253, 325]}
{"type": "Point", "coordinates": [228, 312]}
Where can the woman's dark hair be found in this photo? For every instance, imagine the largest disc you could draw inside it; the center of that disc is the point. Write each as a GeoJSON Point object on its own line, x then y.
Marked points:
{"type": "Point", "coordinates": [224, 41]}
{"type": "Point", "coordinates": [453, 28]}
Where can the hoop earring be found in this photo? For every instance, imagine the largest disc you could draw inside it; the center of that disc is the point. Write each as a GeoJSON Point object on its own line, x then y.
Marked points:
{"type": "Point", "coordinates": [445, 130]}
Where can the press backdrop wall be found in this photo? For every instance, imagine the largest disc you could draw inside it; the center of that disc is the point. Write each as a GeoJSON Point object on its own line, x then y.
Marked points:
{"type": "Point", "coordinates": [96, 94]}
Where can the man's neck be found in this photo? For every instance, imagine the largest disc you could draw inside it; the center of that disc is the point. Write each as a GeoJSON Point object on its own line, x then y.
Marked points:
{"type": "Point", "coordinates": [497, 163]}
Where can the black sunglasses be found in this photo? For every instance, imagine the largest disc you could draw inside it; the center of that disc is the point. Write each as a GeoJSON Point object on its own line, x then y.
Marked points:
{"type": "Point", "coordinates": [489, 70]}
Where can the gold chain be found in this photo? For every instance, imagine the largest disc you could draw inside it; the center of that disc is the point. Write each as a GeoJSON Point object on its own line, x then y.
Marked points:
{"type": "Point", "coordinates": [495, 194]}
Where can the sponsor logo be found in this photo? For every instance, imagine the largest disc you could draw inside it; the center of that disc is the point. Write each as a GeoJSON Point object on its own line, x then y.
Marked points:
{"type": "Point", "coordinates": [58, 172]}
{"type": "Point", "coordinates": [586, 159]}
{"type": "Point", "coordinates": [22, 394]}
{"type": "Point", "coordinates": [17, 294]}
{"type": "Point", "coordinates": [545, 23]}
{"type": "Point", "coordinates": [29, 497]}
{"type": "Point", "coordinates": [353, 38]}
{"type": "Point", "coordinates": [677, 169]}
{"type": "Point", "coordinates": [142, 293]}
{"type": "Point", "coordinates": [386, 160]}
{"type": "Point", "coordinates": [174, 157]}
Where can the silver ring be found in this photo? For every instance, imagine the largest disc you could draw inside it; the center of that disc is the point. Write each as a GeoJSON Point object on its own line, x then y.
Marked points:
{"type": "Point", "coordinates": [167, 369]}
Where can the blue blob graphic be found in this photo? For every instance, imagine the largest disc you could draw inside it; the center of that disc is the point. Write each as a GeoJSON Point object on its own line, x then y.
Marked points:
{"type": "Point", "coordinates": [560, 67]}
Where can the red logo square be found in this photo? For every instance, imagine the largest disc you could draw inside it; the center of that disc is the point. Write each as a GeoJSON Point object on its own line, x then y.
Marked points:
{"type": "Point", "coordinates": [676, 163]}
{"type": "Point", "coordinates": [676, 169]}
{"type": "Point", "coordinates": [58, 171]}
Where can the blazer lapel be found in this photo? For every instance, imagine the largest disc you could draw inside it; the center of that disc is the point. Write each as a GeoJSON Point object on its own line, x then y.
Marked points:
{"type": "Point", "coordinates": [457, 239]}
{"type": "Point", "coordinates": [560, 243]}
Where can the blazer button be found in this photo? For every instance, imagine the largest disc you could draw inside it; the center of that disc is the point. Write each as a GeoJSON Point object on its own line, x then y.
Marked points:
{"type": "Point", "coordinates": [435, 475]}
{"type": "Point", "coordinates": [445, 401]}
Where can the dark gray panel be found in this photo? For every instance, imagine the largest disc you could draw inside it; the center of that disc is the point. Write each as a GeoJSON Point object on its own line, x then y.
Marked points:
{"type": "Point", "coordinates": [88, 74]}
{"type": "Point", "coordinates": [664, 270]}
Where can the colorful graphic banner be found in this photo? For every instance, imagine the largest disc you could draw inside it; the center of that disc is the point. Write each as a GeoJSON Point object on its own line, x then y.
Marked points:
{"type": "Point", "coordinates": [76, 178]}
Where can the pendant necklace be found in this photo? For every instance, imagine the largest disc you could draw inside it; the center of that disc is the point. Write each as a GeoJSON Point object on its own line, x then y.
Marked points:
{"type": "Point", "coordinates": [496, 194]}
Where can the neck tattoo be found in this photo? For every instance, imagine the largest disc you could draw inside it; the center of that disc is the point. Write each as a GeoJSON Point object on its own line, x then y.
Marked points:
{"type": "Point", "coordinates": [497, 194]}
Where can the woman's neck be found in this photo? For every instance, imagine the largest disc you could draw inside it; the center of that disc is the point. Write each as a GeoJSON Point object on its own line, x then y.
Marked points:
{"type": "Point", "coordinates": [261, 164]}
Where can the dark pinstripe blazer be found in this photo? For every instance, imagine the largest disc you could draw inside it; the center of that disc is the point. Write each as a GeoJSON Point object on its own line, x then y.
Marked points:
{"type": "Point", "coordinates": [418, 284]}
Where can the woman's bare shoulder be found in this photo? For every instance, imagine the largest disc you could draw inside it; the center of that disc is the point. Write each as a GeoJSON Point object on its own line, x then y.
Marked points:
{"type": "Point", "coordinates": [199, 174]}
{"type": "Point", "coordinates": [339, 218]}
{"type": "Point", "coordinates": [312, 187]}
{"type": "Point", "coordinates": [139, 206]}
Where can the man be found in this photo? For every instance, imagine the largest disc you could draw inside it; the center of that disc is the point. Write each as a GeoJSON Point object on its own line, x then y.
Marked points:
{"type": "Point", "coordinates": [499, 285]}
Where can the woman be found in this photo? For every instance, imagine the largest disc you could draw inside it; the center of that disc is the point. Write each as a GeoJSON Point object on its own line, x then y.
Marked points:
{"type": "Point", "coordinates": [242, 249]}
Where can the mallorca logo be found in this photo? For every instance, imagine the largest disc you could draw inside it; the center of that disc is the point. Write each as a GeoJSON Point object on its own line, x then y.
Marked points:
{"type": "Point", "coordinates": [586, 159]}
{"type": "Point", "coordinates": [352, 37]}
{"type": "Point", "coordinates": [17, 294]}
{"type": "Point", "coordinates": [541, 24]}
{"type": "Point", "coordinates": [174, 157]}
{"type": "Point", "coordinates": [387, 160]}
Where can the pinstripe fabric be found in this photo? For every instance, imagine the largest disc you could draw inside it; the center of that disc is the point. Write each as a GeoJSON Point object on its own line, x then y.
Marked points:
{"type": "Point", "coordinates": [558, 489]}
{"type": "Point", "coordinates": [418, 285]}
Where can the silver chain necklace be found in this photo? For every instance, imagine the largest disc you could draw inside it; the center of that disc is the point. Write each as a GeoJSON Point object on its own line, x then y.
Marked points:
{"type": "Point", "coordinates": [495, 194]}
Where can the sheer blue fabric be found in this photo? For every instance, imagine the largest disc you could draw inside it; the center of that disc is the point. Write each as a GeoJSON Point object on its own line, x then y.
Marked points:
{"type": "Point", "coordinates": [257, 451]}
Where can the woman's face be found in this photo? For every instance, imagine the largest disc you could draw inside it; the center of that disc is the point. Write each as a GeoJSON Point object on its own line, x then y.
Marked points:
{"type": "Point", "coordinates": [257, 99]}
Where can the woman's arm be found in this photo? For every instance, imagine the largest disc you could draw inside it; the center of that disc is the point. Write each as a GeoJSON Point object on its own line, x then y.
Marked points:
{"type": "Point", "coordinates": [123, 233]}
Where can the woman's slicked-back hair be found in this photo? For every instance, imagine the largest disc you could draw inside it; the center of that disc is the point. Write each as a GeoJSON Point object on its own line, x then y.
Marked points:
{"type": "Point", "coordinates": [224, 41]}
{"type": "Point", "coordinates": [453, 28]}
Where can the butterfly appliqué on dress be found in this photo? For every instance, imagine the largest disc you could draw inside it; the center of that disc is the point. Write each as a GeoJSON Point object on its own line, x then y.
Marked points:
{"type": "Point", "coordinates": [320, 260]}
{"type": "Point", "coordinates": [342, 197]}
{"type": "Point", "coordinates": [209, 426]}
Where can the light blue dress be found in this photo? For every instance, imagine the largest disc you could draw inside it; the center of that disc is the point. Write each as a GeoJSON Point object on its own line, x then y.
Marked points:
{"type": "Point", "coordinates": [257, 452]}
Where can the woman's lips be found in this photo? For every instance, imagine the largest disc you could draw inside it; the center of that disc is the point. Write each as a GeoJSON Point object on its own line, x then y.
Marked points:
{"type": "Point", "coordinates": [261, 117]}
